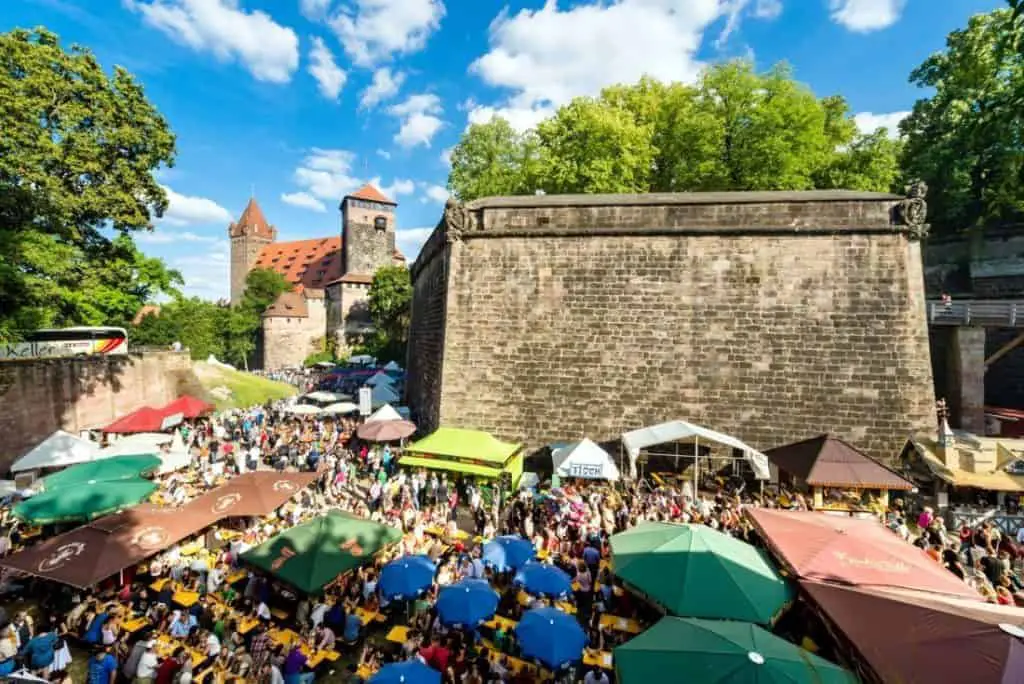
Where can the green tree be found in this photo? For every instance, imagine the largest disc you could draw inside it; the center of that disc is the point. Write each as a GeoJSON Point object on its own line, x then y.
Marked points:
{"type": "Point", "coordinates": [390, 305]}
{"type": "Point", "coordinates": [964, 140]}
{"type": "Point", "coordinates": [241, 323]}
{"type": "Point", "coordinates": [77, 153]}
{"type": "Point", "coordinates": [493, 159]}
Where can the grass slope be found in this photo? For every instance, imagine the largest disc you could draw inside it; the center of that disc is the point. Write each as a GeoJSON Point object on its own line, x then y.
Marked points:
{"type": "Point", "coordinates": [246, 389]}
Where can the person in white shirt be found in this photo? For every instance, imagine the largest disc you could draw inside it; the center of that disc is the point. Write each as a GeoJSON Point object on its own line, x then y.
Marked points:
{"type": "Point", "coordinates": [263, 612]}
{"type": "Point", "coordinates": [596, 676]}
{"type": "Point", "coordinates": [145, 671]}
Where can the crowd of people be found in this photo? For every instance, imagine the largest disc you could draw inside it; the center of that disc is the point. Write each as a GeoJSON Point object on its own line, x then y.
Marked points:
{"type": "Point", "coordinates": [194, 611]}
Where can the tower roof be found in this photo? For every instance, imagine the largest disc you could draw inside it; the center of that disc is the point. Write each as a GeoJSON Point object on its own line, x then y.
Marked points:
{"type": "Point", "coordinates": [371, 194]}
{"type": "Point", "coordinates": [252, 221]}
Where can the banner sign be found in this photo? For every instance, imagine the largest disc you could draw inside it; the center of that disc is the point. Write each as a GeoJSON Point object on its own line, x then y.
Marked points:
{"type": "Point", "coordinates": [365, 401]}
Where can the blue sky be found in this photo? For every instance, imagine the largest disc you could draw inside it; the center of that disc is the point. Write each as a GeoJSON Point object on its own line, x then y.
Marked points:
{"type": "Point", "coordinates": [301, 101]}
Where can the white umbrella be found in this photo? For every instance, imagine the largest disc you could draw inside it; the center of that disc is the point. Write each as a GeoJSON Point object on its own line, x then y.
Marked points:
{"type": "Point", "coordinates": [385, 412]}
{"type": "Point", "coordinates": [57, 451]}
{"type": "Point", "coordinates": [322, 397]}
{"type": "Point", "coordinates": [303, 410]}
{"type": "Point", "coordinates": [339, 408]}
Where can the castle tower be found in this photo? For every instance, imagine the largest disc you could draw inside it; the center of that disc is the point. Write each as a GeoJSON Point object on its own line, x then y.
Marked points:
{"type": "Point", "coordinates": [248, 236]}
{"type": "Point", "coordinates": [367, 231]}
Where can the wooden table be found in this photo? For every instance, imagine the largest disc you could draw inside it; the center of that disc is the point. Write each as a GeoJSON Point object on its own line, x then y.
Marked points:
{"type": "Point", "coordinates": [283, 636]}
{"type": "Point", "coordinates": [132, 625]}
{"type": "Point", "coordinates": [515, 665]}
{"type": "Point", "coordinates": [236, 576]}
{"type": "Point", "coordinates": [367, 617]}
{"type": "Point", "coordinates": [160, 584]}
{"type": "Point", "coordinates": [185, 598]}
{"type": "Point", "coordinates": [167, 645]}
{"type": "Point", "coordinates": [621, 624]}
{"type": "Point", "coordinates": [595, 658]}
{"type": "Point", "coordinates": [247, 624]}
{"type": "Point", "coordinates": [398, 634]}
{"type": "Point", "coordinates": [505, 623]}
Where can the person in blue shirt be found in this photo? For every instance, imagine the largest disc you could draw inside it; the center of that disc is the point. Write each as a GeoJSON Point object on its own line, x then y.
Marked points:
{"type": "Point", "coordinates": [94, 632]}
{"type": "Point", "coordinates": [592, 557]}
{"type": "Point", "coordinates": [102, 667]}
{"type": "Point", "coordinates": [353, 625]}
{"type": "Point", "coordinates": [39, 650]}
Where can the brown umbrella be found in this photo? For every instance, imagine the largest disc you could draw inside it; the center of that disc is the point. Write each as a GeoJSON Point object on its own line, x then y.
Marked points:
{"type": "Point", "coordinates": [385, 430]}
{"type": "Point", "coordinates": [252, 494]}
{"type": "Point", "coordinates": [916, 638]}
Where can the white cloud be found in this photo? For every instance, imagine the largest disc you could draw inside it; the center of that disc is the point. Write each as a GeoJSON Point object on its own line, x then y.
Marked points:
{"type": "Point", "coordinates": [185, 210]}
{"type": "Point", "coordinates": [410, 241]}
{"type": "Point", "coordinates": [383, 154]}
{"type": "Point", "coordinates": [267, 49]}
{"type": "Point", "coordinates": [372, 31]}
{"type": "Point", "coordinates": [520, 118]}
{"type": "Point", "coordinates": [314, 9]}
{"type": "Point", "coordinates": [384, 86]}
{"type": "Point", "coordinates": [329, 76]}
{"type": "Point", "coordinates": [868, 122]}
{"type": "Point", "coordinates": [446, 156]}
{"type": "Point", "coordinates": [864, 16]}
{"type": "Point", "coordinates": [303, 200]}
{"type": "Point", "coordinates": [419, 117]}
{"type": "Point", "coordinates": [546, 57]}
{"type": "Point", "coordinates": [767, 9]}
{"type": "Point", "coordinates": [160, 237]}
{"type": "Point", "coordinates": [399, 186]}
{"type": "Point", "coordinates": [434, 193]}
{"type": "Point", "coordinates": [206, 275]}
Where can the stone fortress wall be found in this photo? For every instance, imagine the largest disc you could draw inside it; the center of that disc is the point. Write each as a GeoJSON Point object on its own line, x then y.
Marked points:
{"type": "Point", "coordinates": [770, 316]}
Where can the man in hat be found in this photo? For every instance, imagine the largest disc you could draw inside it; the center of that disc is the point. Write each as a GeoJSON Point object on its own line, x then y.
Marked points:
{"type": "Point", "coordinates": [148, 663]}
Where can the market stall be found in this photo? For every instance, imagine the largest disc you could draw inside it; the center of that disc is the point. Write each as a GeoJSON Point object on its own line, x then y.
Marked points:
{"type": "Point", "coordinates": [837, 475]}
{"type": "Point", "coordinates": [59, 450]}
{"type": "Point", "coordinates": [469, 452]}
{"type": "Point", "coordinates": [584, 459]}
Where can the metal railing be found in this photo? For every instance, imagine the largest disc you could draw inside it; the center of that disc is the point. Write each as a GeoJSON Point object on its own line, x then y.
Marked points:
{"type": "Point", "coordinates": [996, 313]}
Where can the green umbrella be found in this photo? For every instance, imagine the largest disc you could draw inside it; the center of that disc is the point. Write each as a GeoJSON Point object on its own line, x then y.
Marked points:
{"type": "Point", "coordinates": [312, 555]}
{"type": "Point", "coordinates": [695, 571]}
{"type": "Point", "coordinates": [104, 470]}
{"type": "Point", "coordinates": [84, 501]}
{"type": "Point", "coordinates": [713, 651]}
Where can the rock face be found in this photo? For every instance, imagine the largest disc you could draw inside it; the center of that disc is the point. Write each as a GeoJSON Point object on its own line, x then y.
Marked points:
{"type": "Point", "coordinates": [769, 316]}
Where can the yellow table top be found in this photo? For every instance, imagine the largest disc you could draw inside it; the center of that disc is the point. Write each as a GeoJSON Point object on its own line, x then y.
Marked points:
{"type": "Point", "coordinates": [398, 634]}
{"type": "Point", "coordinates": [186, 598]}
{"type": "Point", "coordinates": [134, 624]}
{"type": "Point", "coordinates": [236, 576]}
{"type": "Point", "coordinates": [602, 659]}
{"type": "Point", "coordinates": [505, 623]}
{"type": "Point", "coordinates": [367, 617]}
{"type": "Point", "coordinates": [628, 625]}
{"type": "Point", "coordinates": [160, 584]}
{"type": "Point", "coordinates": [167, 645]}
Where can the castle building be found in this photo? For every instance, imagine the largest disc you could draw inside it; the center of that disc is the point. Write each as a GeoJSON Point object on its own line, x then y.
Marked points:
{"type": "Point", "coordinates": [330, 276]}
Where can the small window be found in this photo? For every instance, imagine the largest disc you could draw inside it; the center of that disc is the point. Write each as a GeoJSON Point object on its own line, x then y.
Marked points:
{"type": "Point", "coordinates": [380, 223]}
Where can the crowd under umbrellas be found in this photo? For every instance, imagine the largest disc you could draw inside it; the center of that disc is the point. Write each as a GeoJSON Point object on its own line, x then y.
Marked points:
{"type": "Point", "coordinates": [590, 580]}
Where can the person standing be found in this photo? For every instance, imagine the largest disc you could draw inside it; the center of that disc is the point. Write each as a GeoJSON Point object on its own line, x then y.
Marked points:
{"type": "Point", "coordinates": [102, 666]}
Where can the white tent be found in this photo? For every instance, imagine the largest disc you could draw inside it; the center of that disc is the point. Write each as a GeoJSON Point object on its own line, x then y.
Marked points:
{"type": "Point", "coordinates": [676, 430]}
{"type": "Point", "coordinates": [385, 412]}
{"type": "Point", "coordinates": [303, 410]}
{"type": "Point", "coordinates": [362, 360]}
{"type": "Point", "coordinates": [380, 378]}
{"type": "Point", "coordinates": [322, 397]}
{"type": "Point", "coordinates": [584, 459]}
{"type": "Point", "coordinates": [57, 451]}
{"type": "Point", "coordinates": [392, 366]}
{"type": "Point", "coordinates": [383, 394]}
{"type": "Point", "coordinates": [140, 443]}
{"type": "Point", "coordinates": [339, 408]}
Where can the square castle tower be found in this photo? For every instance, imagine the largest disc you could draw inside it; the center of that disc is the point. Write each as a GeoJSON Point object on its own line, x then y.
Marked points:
{"type": "Point", "coordinates": [330, 276]}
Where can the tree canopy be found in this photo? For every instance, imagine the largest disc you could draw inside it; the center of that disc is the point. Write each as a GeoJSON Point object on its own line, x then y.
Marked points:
{"type": "Point", "coordinates": [390, 306]}
{"type": "Point", "coordinates": [78, 149]}
{"type": "Point", "coordinates": [735, 129]}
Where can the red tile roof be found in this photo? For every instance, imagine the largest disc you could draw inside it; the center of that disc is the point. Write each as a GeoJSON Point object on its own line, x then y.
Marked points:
{"type": "Point", "coordinates": [371, 194]}
{"type": "Point", "coordinates": [253, 222]}
{"type": "Point", "coordinates": [310, 263]}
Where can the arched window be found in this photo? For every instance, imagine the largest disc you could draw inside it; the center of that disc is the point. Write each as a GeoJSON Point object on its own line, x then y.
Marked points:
{"type": "Point", "coordinates": [380, 222]}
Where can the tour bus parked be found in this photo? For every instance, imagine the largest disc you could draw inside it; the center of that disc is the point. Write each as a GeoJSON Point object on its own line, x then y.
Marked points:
{"type": "Point", "coordinates": [81, 341]}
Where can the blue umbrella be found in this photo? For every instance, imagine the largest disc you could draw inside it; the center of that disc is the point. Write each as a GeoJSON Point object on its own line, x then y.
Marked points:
{"type": "Point", "coordinates": [466, 603]}
{"type": "Point", "coordinates": [406, 577]}
{"type": "Point", "coordinates": [542, 579]}
{"type": "Point", "coordinates": [550, 636]}
{"type": "Point", "coordinates": [508, 552]}
{"type": "Point", "coordinates": [408, 672]}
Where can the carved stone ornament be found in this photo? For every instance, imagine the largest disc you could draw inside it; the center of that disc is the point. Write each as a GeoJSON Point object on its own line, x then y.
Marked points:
{"type": "Point", "coordinates": [456, 220]}
{"type": "Point", "coordinates": [913, 211]}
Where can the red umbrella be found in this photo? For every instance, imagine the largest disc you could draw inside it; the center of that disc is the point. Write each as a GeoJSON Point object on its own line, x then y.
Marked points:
{"type": "Point", "coordinates": [385, 430]}
{"type": "Point", "coordinates": [145, 419]}
{"type": "Point", "coordinates": [188, 406]}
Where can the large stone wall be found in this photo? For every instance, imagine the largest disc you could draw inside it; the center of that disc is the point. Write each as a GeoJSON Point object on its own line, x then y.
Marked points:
{"type": "Point", "coordinates": [40, 396]}
{"type": "Point", "coordinates": [287, 341]}
{"type": "Point", "coordinates": [367, 247]}
{"type": "Point", "coordinates": [771, 316]}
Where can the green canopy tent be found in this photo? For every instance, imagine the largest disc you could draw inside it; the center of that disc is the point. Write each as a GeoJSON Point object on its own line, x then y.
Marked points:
{"type": "Point", "coordinates": [471, 452]}
{"type": "Point", "coordinates": [106, 470]}
{"type": "Point", "coordinates": [312, 555]}
{"type": "Point", "coordinates": [695, 571]}
{"type": "Point", "coordinates": [85, 501]}
{"type": "Point", "coordinates": [720, 651]}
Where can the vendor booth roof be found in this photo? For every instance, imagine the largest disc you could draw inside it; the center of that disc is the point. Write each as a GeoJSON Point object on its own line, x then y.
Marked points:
{"type": "Point", "coordinates": [145, 419]}
{"type": "Point", "coordinates": [380, 378]}
{"type": "Point", "coordinates": [828, 461]}
{"type": "Point", "coordinates": [56, 451]}
{"type": "Point", "coordinates": [385, 412]}
{"type": "Point", "coordinates": [252, 494]}
{"type": "Point", "coordinates": [909, 637]}
{"type": "Point", "coordinates": [676, 430]}
{"type": "Point", "coordinates": [93, 552]}
{"type": "Point", "coordinates": [461, 443]}
{"type": "Point", "coordinates": [383, 394]}
{"type": "Point", "coordinates": [188, 406]}
{"type": "Point", "coordinates": [857, 552]}
{"type": "Point", "coordinates": [312, 555]}
{"type": "Point", "coordinates": [584, 459]}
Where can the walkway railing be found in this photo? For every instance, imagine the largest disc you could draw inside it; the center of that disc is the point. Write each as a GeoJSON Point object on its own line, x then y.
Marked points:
{"type": "Point", "coordinates": [993, 313]}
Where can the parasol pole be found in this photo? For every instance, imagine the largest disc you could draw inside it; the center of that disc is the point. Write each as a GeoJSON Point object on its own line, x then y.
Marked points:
{"type": "Point", "coordinates": [696, 463]}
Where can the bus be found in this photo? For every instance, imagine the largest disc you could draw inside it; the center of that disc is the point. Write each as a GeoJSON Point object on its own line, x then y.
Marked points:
{"type": "Point", "coordinates": [80, 341]}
